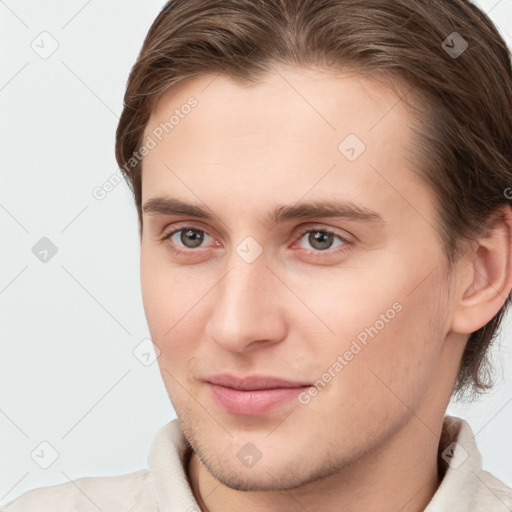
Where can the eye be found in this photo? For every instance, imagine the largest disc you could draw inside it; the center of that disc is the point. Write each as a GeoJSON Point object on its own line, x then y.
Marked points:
{"type": "Point", "coordinates": [322, 239]}
{"type": "Point", "coordinates": [190, 238]}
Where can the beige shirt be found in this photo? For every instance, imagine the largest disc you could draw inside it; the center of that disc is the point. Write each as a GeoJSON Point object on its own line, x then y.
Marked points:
{"type": "Point", "coordinates": [164, 487]}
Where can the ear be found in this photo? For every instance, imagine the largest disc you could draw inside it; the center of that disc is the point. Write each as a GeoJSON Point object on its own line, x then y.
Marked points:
{"type": "Point", "coordinates": [486, 276]}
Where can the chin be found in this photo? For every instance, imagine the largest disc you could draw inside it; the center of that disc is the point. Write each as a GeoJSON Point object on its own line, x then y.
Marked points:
{"type": "Point", "coordinates": [271, 475]}
{"type": "Point", "coordinates": [257, 481]}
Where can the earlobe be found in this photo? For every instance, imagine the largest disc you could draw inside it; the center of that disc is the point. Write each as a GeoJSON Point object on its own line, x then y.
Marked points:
{"type": "Point", "coordinates": [489, 267]}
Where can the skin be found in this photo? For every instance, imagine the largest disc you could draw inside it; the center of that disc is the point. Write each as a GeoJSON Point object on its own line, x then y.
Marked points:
{"type": "Point", "coordinates": [368, 440]}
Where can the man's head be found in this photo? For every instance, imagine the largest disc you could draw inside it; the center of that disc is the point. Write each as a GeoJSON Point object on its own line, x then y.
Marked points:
{"type": "Point", "coordinates": [259, 116]}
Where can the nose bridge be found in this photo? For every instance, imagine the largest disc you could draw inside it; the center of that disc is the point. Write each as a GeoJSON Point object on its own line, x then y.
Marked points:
{"type": "Point", "coordinates": [244, 305]}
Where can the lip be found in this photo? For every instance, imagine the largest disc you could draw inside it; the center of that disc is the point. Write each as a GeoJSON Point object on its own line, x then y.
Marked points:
{"type": "Point", "coordinates": [253, 395]}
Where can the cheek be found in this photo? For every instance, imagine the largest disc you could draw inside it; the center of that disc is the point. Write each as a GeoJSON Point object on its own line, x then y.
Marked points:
{"type": "Point", "coordinates": [348, 307]}
{"type": "Point", "coordinates": [398, 359]}
{"type": "Point", "coordinates": [392, 332]}
{"type": "Point", "coordinates": [388, 374]}
{"type": "Point", "coordinates": [173, 311]}
{"type": "Point", "coordinates": [172, 318]}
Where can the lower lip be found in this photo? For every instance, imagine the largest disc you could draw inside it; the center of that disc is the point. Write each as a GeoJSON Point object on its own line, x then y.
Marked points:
{"type": "Point", "coordinates": [255, 402]}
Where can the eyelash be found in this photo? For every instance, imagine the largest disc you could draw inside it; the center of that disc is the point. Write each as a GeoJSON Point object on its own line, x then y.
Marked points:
{"type": "Point", "coordinates": [344, 247]}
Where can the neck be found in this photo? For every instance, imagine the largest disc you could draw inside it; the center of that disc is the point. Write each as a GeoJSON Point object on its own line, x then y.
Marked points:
{"type": "Point", "coordinates": [401, 474]}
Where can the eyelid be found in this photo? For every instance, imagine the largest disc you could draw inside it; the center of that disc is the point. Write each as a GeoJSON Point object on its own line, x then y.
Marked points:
{"type": "Point", "coordinates": [185, 225]}
{"type": "Point", "coordinates": [329, 230]}
{"type": "Point", "coordinates": [176, 229]}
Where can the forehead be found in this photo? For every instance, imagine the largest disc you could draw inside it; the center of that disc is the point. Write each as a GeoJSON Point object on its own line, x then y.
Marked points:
{"type": "Point", "coordinates": [328, 101]}
{"type": "Point", "coordinates": [294, 132]}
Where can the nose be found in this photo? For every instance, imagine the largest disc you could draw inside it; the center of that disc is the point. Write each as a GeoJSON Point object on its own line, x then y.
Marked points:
{"type": "Point", "coordinates": [247, 307]}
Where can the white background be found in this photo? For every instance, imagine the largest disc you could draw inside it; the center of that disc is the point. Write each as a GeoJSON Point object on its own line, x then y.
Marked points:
{"type": "Point", "coordinates": [69, 327]}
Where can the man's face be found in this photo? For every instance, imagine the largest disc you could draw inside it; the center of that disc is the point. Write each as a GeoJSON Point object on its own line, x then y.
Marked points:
{"type": "Point", "coordinates": [356, 304]}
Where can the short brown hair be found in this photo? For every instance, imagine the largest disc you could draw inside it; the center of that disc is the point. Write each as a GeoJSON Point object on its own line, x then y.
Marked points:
{"type": "Point", "coordinates": [464, 144]}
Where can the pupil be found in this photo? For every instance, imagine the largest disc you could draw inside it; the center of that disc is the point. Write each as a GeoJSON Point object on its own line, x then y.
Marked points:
{"type": "Point", "coordinates": [195, 237]}
{"type": "Point", "coordinates": [322, 240]}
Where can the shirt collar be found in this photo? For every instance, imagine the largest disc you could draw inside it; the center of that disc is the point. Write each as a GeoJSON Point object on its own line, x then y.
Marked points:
{"type": "Point", "coordinates": [465, 486]}
{"type": "Point", "coordinates": [167, 463]}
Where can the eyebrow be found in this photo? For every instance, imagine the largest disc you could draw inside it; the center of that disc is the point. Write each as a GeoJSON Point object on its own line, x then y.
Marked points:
{"type": "Point", "coordinates": [327, 208]}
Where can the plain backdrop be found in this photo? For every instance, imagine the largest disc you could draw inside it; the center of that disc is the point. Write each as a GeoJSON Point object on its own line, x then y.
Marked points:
{"type": "Point", "coordinates": [77, 393]}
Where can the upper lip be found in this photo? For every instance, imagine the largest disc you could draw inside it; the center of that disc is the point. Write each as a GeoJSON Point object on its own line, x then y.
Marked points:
{"type": "Point", "coordinates": [253, 382]}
